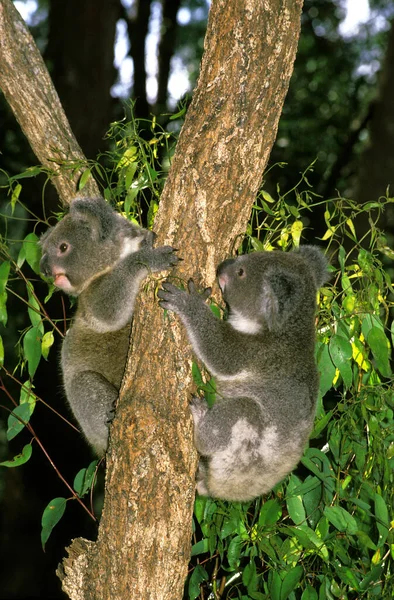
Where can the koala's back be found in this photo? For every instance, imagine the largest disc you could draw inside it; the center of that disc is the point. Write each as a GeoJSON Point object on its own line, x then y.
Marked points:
{"type": "Point", "coordinates": [105, 353]}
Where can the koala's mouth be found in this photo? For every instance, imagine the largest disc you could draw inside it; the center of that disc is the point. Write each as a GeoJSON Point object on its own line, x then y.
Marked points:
{"type": "Point", "coordinates": [61, 280]}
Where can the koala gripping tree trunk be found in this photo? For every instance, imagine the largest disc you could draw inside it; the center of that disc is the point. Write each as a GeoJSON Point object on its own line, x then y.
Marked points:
{"type": "Point", "coordinates": [143, 545]}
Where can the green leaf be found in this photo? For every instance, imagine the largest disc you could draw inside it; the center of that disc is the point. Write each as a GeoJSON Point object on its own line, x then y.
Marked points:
{"type": "Point", "coordinates": [130, 172]}
{"type": "Point", "coordinates": [30, 172]}
{"type": "Point", "coordinates": [321, 424]}
{"type": "Point", "coordinates": [372, 577]}
{"type": "Point", "coordinates": [276, 586]}
{"type": "Point", "coordinates": [309, 593]}
{"type": "Point", "coordinates": [348, 576]}
{"type": "Point", "coordinates": [32, 252]}
{"type": "Point", "coordinates": [28, 396]}
{"type": "Point", "coordinates": [3, 308]}
{"type": "Point", "coordinates": [4, 273]}
{"type": "Point", "coordinates": [46, 343]}
{"type": "Point", "coordinates": [196, 579]}
{"type": "Point", "coordinates": [326, 368]}
{"type": "Point", "coordinates": [294, 503]}
{"type": "Point", "coordinates": [1, 352]}
{"type": "Point", "coordinates": [19, 459]}
{"type": "Point", "coordinates": [234, 552]}
{"type": "Point", "coordinates": [270, 513]}
{"type": "Point", "coordinates": [311, 541]}
{"type": "Point", "coordinates": [15, 196]}
{"type": "Point", "coordinates": [382, 519]}
{"type": "Point", "coordinates": [15, 424]}
{"type": "Point", "coordinates": [86, 175]}
{"type": "Point", "coordinates": [196, 373]}
{"type": "Point", "coordinates": [378, 343]}
{"type": "Point", "coordinates": [50, 517]}
{"type": "Point", "coordinates": [200, 547]}
{"type": "Point", "coordinates": [365, 540]}
{"type": "Point", "coordinates": [34, 310]}
{"type": "Point", "coordinates": [84, 479]}
{"type": "Point", "coordinates": [341, 519]}
{"type": "Point", "coordinates": [249, 576]}
{"type": "Point", "coordinates": [290, 581]}
{"type": "Point", "coordinates": [32, 349]}
{"type": "Point", "coordinates": [341, 353]}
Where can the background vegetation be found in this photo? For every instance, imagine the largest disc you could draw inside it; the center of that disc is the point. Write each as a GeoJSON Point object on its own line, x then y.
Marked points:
{"type": "Point", "coordinates": [326, 532]}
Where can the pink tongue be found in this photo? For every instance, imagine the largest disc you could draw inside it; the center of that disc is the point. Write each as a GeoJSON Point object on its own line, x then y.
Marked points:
{"type": "Point", "coordinates": [61, 280]}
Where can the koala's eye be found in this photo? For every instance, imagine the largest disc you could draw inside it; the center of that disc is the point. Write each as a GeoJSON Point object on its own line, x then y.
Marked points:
{"type": "Point", "coordinates": [241, 272]}
{"type": "Point", "coordinates": [63, 247]}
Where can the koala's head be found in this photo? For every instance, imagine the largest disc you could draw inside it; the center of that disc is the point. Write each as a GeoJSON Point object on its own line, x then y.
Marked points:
{"type": "Point", "coordinates": [269, 289]}
{"type": "Point", "coordinates": [86, 243]}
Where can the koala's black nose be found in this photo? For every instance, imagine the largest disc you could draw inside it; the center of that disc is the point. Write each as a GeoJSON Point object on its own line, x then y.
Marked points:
{"type": "Point", "coordinates": [223, 266]}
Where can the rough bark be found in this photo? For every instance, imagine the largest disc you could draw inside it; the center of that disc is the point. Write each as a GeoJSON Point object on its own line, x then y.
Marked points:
{"type": "Point", "coordinates": [143, 545]}
{"type": "Point", "coordinates": [28, 89]}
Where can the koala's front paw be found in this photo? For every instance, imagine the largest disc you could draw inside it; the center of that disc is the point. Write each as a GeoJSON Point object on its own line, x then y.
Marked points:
{"type": "Point", "coordinates": [172, 298]}
{"type": "Point", "coordinates": [177, 300]}
{"type": "Point", "coordinates": [165, 258]}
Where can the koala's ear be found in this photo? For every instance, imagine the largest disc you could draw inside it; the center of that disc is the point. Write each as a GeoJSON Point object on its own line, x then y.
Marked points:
{"type": "Point", "coordinates": [279, 298]}
{"type": "Point", "coordinates": [317, 263]}
{"type": "Point", "coordinates": [96, 213]}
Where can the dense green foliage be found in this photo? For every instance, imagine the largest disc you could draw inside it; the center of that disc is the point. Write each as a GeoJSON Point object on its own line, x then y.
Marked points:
{"type": "Point", "coordinates": [326, 531]}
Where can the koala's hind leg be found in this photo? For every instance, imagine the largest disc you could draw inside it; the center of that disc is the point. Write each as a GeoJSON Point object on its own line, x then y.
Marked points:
{"type": "Point", "coordinates": [92, 398]}
{"type": "Point", "coordinates": [229, 424]}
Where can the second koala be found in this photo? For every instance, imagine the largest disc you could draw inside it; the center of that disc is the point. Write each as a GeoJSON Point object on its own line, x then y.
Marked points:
{"type": "Point", "coordinates": [97, 255]}
{"type": "Point", "coordinates": [263, 362]}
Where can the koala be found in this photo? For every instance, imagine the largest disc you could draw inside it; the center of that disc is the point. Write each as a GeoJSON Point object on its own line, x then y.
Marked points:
{"type": "Point", "coordinates": [95, 254]}
{"type": "Point", "coordinates": [262, 358]}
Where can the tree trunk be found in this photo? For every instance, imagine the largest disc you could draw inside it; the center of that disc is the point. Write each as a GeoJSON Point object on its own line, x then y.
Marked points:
{"type": "Point", "coordinates": [28, 89]}
{"type": "Point", "coordinates": [143, 545]}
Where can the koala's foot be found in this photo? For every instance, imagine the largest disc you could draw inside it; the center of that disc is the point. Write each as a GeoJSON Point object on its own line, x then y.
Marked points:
{"type": "Point", "coordinates": [199, 408]}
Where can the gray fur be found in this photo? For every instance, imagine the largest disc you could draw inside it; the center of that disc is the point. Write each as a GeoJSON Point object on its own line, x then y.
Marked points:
{"type": "Point", "coordinates": [263, 361]}
{"type": "Point", "coordinates": [100, 257]}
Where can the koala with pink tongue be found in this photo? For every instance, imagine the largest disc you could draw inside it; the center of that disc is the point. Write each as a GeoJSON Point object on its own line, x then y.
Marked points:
{"type": "Point", "coordinates": [100, 257]}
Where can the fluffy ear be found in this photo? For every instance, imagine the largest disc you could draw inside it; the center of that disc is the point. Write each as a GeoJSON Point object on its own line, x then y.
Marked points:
{"type": "Point", "coordinates": [279, 298]}
{"type": "Point", "coordinates": [317, 263]}
{"type": "Point", "coordinates": [96, 213]}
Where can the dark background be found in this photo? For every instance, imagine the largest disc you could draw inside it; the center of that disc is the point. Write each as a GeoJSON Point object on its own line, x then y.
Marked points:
{"type": "Point", "coordinates": [339, 110]}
